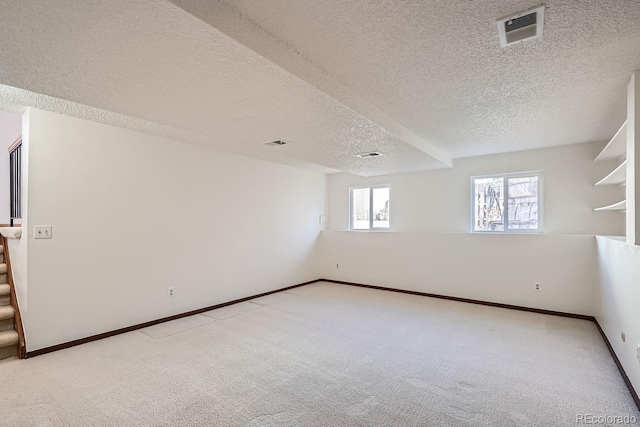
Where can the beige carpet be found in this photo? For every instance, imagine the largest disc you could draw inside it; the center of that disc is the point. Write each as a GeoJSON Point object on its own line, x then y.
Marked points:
{"type": "Point", "coordinates": [326, 355]}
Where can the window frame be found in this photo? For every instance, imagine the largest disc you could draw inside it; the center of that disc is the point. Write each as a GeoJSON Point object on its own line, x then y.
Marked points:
{"type": "Point", "coordinates": [505, 177]}
{"type": "Point", "coordinates": [371, 188]}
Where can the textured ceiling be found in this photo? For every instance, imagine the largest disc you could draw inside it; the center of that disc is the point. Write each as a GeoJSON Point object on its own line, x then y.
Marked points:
{"type": "Point", "coordinates": [436, 67]}
{"type": "Point", "coordinates": [420, 81]}
{"type": "Point", "coordinates": [16, 100]}
{"type": "Point", "coordinates": [149, 65]}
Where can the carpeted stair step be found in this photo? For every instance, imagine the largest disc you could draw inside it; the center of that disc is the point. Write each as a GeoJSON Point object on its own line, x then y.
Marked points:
{"type": "Point", "coordinates": [3, 273]}
{"type": "Point", "coordinates": [5, 297]}
{"type": "Point", "coordinates": [8, 338]}
{"type": "Point", "coordinates": [7, 325]}
{"type": "Point", "coordinates": [6, 312]}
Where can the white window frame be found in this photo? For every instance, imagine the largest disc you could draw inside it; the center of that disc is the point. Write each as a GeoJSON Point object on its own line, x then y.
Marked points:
{"type": "Point", "coordinates": [506, 230]}
{"type": "Point", "coordinates": [371, 188]}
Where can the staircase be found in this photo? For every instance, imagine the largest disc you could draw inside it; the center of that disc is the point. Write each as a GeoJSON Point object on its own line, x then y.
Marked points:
{"type": "Point", "coordinates": [9, 339]}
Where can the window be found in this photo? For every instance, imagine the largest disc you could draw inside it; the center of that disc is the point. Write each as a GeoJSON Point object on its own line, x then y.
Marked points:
{"type": "Point", "coordinates": [369, 208]}
{"type": "Point", "coordinates": [522, 212]}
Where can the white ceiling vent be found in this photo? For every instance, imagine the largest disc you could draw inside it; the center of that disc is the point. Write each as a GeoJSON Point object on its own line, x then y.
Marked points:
{"type": "Point", "coordinates": [276, 143]}
{"type": "Point", "coordinates": [522, 26]}
{"type": "Point", "coordinates": [368, 155]}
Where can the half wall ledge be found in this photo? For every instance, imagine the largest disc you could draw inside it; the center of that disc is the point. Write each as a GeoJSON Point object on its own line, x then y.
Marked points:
{"type": "Point", "coordinates": [11, 232]}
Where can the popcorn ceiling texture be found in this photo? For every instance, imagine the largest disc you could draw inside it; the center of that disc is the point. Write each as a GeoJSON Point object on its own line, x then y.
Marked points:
{"type": "Point", "coordinates": [151, 66]}
{"type": "Point", "coordinates": [436, 67]}
{"type": "Point", "coordinates": [421, 82]}
{"type": "Point", "coordinates": [17, 100]}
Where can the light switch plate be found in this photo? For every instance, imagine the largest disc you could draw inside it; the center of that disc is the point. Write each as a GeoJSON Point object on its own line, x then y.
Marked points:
{"type": "Point", "coordinates": [42, 232]}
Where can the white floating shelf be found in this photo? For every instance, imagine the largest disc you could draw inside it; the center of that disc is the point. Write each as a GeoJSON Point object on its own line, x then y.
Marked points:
{"type": "Point", "coordinates": [618, 176]}
{"type": "Point", "coordinates": [620, 206]}
{"type": "Point", "coordinates": [617, 147]}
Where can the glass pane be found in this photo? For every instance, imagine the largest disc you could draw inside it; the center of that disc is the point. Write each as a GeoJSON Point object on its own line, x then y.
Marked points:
{"type": "Point", "coordinates": [360, 206]}
{"type": "Point", "coordinates": [523, 203]}
{"type": "Point", "coordinates": [381, 207]}
{"type": "Point", "coordinates": [488, 204]}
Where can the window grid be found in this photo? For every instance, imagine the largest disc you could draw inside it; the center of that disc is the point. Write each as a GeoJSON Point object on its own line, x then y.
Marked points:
{"type": "Point", "coordinates": [377, 215]}
{"type": "Point", "coordinates": [527, 215]}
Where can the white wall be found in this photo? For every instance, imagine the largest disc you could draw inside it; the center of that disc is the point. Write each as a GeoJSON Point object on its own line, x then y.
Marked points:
{"type": "Point", "coordinates": [499, 269]}
{"type": "Point", "coordinates": [10, 130]}
{"type": "Point", "coordinates": [430, 249]}
{"type": "Point", "coordinates": [134, 214]}
{"type": "Point", "coordinates": [618, 298]}
{"type": "Point", "coordinates": [438, 201]}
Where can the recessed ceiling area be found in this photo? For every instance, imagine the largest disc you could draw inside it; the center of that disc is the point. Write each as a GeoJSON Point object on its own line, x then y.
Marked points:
{"type": "Point", "coordinates": [422, 82]}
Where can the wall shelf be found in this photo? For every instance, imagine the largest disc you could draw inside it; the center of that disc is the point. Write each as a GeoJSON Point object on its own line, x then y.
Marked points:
{"type": "Point", "coordinates": [624, 150]}
{"type": "Point", "coordinates": [619, 206]}
{"type": "Point", "coordinates": [618, 176]}
{"type": "Point", "coordinates": [617, 147]}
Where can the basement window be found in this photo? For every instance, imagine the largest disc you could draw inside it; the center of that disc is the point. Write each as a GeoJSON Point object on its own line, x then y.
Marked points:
{"type": "Point", "coordinates": [369, 208]}
{"type": "Point", "coordinates": [522, 212]}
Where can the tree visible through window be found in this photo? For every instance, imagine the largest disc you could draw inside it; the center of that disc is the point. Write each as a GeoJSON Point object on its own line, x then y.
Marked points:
{"type": "Point", "coordinates": [521, 213]}
{"type": "Point", "coordinates": [369, 208]}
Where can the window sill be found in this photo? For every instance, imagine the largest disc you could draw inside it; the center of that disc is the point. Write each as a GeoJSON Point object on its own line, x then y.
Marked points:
{"type": "Point", "coordinates": [618, 238]}
{"type": "Point", "coordinates": [506, 232]}
{"type": "Point", "coordinates": [468, 233]}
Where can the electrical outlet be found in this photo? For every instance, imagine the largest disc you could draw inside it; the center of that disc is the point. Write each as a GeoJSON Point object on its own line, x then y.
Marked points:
{"type": "Point", "coordinates": [337, 265]}
{"type": "Point", "coordinates": [322, 219]}
{"type": "Point", "coordinates": [171, 292]}
{"type": "Point", "coordinates": [537, 286]}
{"type": "Point", "coordinates": [42, 232]}
{"type": "Point", "coordinates": [623, 337]}
{"type": "Point", "coordinates": [638, 353]}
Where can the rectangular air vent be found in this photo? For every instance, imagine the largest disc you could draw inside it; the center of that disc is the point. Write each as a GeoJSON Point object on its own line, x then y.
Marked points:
{"type": "Point", "coordinates": [368, 155]}
{"type": "Point", "coordinates": [276, 143]}
{"type": "Point", "coordinates": [522, 26]}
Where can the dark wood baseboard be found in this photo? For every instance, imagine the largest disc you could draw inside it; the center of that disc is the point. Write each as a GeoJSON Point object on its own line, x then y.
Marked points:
{"type": "Point", "coordinates": [625, 377]}
{"type": "Point", "coordinates": [470, 301]}
{"type": "Point", "coordinates": [74, 343]}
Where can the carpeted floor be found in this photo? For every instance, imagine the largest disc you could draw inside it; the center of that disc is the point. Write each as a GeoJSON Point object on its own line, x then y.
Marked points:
{"type": "Point", "coordinates": [326, 355]}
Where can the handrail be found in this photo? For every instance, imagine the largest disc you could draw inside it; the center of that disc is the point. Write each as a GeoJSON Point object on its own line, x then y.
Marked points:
{"type": "Point", "coordinates": [17, 320]}
{"type": "Point", "coordinates": [15, 144]}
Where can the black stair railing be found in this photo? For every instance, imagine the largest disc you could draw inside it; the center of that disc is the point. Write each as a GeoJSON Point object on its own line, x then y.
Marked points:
{"type": "Point", "coordinates": [15, 180]}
